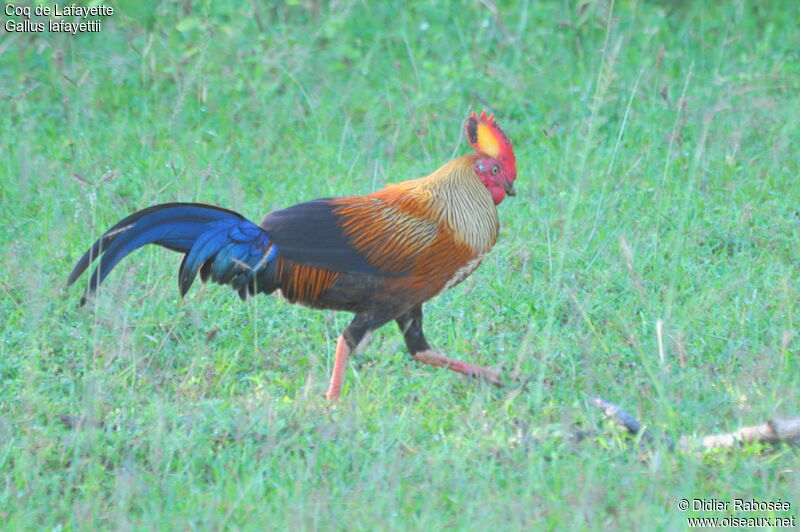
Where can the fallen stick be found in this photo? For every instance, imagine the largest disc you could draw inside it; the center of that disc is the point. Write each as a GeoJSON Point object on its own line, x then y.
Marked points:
{"type": "Point", "coordinates": [622, 418]}
{"type": "Point", "coordinates": [777, 430]}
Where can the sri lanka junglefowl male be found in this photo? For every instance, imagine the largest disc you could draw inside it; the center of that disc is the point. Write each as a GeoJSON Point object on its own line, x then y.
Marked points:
{"type": "Point", "coordinates": [379, 256]}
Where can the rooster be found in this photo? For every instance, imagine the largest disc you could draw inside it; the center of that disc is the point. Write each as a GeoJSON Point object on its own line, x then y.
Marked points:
{"type": "Point", "coordinates": [379, 256]}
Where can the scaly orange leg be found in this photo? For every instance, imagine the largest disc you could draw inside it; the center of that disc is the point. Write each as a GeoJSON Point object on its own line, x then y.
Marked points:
{"type": "Point", "coordinates": [435, 359]}
{"type": "Point", "coordinates": [352, 338]}
{"type": "Point", "coordinates": [410, 325]}
{"type": "Point", "coordinates": [339, 367]}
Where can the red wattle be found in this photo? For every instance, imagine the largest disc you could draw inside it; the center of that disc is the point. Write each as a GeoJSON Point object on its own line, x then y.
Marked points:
{"type": "Point", "coordinates": [498, 194]}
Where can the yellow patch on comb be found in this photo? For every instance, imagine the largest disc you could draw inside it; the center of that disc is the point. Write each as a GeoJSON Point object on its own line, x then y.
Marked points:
{"type": "Point", "coordinates": [487, 140]}
{"type": "Point", "coordinates": [485, 136]}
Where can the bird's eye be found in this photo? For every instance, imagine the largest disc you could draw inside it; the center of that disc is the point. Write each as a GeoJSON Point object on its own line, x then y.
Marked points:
{"type": "Point", "coordinates": [481, 168]}
{"type": "Point", "coordinates": [495, 169]}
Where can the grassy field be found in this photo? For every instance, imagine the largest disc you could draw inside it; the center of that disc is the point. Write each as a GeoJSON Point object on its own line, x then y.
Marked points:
{"type": "Point", "coordinates": [658, 183]}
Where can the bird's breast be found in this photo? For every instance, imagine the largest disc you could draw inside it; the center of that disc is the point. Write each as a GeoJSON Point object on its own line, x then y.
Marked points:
{"type": "Point", "coordinates": [463, 272]}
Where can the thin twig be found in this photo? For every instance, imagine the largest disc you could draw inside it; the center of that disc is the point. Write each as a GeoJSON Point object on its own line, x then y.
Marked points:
{"type": "Point", "coordinates": [776, 430]}
{"type": "Point", "coordinates": [623, 419]}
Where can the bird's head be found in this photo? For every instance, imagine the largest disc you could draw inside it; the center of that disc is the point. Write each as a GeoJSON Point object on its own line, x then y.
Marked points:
{"type": "Point", "coordinates": [495, 165]}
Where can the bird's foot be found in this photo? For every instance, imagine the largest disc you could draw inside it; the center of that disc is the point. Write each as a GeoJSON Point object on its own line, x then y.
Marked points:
{"type": "Point", "coordinates": [435, 359]}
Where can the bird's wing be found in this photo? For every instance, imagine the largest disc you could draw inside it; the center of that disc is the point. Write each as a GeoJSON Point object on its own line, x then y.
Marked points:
{"type": "Point", "coordinates": [375, 234]}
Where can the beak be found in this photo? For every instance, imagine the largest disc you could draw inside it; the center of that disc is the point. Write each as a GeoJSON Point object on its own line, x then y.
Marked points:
{"type": "Point", "coordinates": [509, 188]}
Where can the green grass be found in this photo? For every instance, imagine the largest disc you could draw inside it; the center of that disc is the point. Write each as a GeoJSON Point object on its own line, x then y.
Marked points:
{"type": "Point", "coordinates": [666, 188]}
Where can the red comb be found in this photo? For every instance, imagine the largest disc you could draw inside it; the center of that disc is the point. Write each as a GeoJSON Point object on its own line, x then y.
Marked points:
{"type": "Point", "coordinates": [485, 136]}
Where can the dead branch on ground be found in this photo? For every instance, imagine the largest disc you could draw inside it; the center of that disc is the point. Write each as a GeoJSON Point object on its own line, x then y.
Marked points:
{"type": "Point", "coordinates": [774, 431]}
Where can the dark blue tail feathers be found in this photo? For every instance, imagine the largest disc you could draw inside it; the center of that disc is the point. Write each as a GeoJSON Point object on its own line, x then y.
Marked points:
{"type": "Point", "coordinates": [219, 244]}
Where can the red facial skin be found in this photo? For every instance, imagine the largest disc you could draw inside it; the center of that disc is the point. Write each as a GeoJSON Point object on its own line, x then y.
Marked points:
{"type": "Point", "coordinates": [494, 178]}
